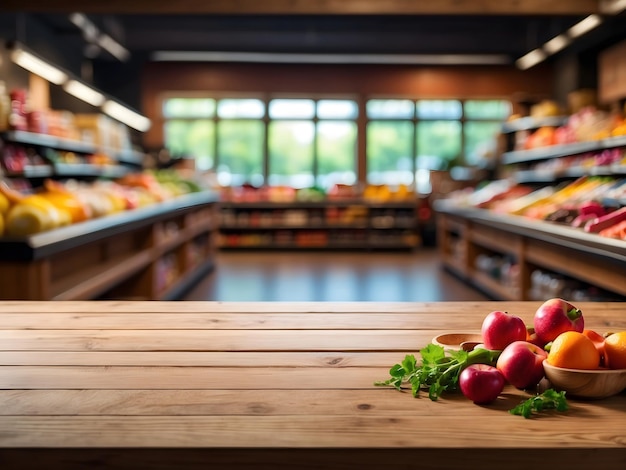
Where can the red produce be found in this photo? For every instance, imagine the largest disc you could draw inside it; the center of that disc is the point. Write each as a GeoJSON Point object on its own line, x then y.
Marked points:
{"type": "Point", "coordinates": [556, 316]}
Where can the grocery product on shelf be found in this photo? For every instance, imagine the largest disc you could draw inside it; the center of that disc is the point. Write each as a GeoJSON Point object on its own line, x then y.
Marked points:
{"type": "Point", "coordinates": [57, 204]}
{"type": "Point", "coordinates": [579, 204]}
{"type": "Point", "coordinates": [547, 284]}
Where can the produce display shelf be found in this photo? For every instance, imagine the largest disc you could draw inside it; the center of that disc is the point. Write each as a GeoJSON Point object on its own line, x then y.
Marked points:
{"type": "Point", "coordinates": [86, 284]}
{"type": "Point", "coordinates": [325, 246]}
{"type": "Point", "coordinates": [265, 228]}
{"type": "Point", "coordinates": [44, 140]}
{"type": "Point", "coordinates": [132, 157]}
{"type": "Point", "coordinates": [44, 244]}
{"type": "Point", "coordinates": [32, 171]}
{"type": "Point", "coordinates": [549, 232]}
{"type": "Point", "coordinates": [69, 170]}
{"type": "Point", "coordinates": [269, 205]}
{"type": "Point", "coordinates": [455, 265]}
{"type": "Point", "coordinates": [548, 176]}
{"type": "Point", "coordinates": [529, 123]}
{"type": "Point", "coordinates": [563, 150]}
{"type": "Point", "coordinates": [495, 288]}
{"type": "Point", "coordinates": [186, 280]}
{"type": "Point", "coordinates": [553, 151]}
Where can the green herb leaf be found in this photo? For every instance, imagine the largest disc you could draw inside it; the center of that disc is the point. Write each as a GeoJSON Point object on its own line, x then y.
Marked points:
{"type": "Point", "coordinates": [548, 400]}
{"type": "Point", "coordinates": [438, 370]}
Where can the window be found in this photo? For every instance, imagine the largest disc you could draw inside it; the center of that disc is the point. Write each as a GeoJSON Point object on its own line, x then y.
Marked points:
{"type": "Point", "coordinates": [190, 129]}
{"type": "Point", "coordinates": [312, 143]}
{"type": "Point", "coordinates": [336, 142]}
{"type": "Point", "coordinates": [389, 152]}
{"type": "Point", "coordinates": [240, 149]}
{"type": "Point", "coordinates": [439, 133]}
{"type": "Point", "coordinates": [304, 142]}
{"type": "Point", "coordinates": [406, 138]}
{"type": "Point", "coordinates": [483, 123]}
{"type": "Point", "coordinates": [240, 141]}
{"type": "Point", "coordinates": [390, 133]}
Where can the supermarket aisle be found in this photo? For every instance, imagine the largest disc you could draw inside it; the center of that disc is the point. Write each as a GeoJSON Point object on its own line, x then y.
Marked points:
{"type": "Point", "coordinates": [316, 276]}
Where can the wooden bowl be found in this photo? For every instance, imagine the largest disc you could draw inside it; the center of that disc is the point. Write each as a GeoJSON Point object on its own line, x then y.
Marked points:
{"type": "Point", "coordinates": [465, 341]}
{"type": "Point", "coordinates": [593, 384]}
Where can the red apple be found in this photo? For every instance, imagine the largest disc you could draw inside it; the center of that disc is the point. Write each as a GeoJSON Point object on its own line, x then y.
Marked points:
{"type": "Point", "coordinates": [532, 337]}
{"type": "Point", "coordinates": [500, 329]}
{"type": "Point", "coordinates": [481, 383]}
{"type": "Point", "coordinates": [556, 316]}
{"type": "Point", "coordinates": [521, 363]}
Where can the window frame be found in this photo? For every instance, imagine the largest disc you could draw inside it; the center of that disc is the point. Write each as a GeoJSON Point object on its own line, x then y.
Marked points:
{"type": "Point", "coordinates": [362, 121]}
{"type": "Point", "coordinates": [415, 120]}
{"type": "Point", "coordinates": [266, 100]}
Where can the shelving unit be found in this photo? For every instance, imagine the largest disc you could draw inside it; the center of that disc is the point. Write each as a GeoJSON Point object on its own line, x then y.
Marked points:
{"type": "Point", "coordinates": [469, 237]}
{"type": "Point", "coordinates": [529, 123]}
{"type": "Point", "coordinates": [465, 233]}
{"type": "Point", "coordinates": [331, 225]}
{"type": "Point", "coordinates": [126, 160]}
{"type": "Point", "coordinates": [523, 160]}
{"type": "Point", "coordinates": [118, 256]}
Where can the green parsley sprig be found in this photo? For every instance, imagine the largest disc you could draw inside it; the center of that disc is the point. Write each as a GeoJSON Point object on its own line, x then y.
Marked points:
{"type": "Point", "coordinates": [438, 370]}
{"type": "Point", "coordinates": [550, 399]}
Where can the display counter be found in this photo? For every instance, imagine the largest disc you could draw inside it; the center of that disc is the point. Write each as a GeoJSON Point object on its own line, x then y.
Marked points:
{"type": "Point", "coordinates": [465, 234]}
{"type": "Point", "coordinates": [152, 252]}
{"type": "Point", "coordinates": [270, 385]}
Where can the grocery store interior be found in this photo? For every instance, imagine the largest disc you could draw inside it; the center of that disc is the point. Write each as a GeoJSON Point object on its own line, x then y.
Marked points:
{"type": "Point", "coordinates": [313, 151]}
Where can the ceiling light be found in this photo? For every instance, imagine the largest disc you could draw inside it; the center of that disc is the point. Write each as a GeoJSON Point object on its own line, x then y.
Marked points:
{"type": "Point", "coordinates": [84, 92]}
{"type": "Point", "coordinates": [93, 35]}
{"type": "Point", "coordinates": [109, 44]}
{"type": "Point", "coordinates": [556, 44]}
{"type": "Point", "coordinates": [126, 115]}
{"type": "Point", "coordinates": [270, 57]}
{"type": "Point", "coordinates": [532, 58]}
{"type": "Point", "coordinates": [38, 66]}
{"type": "Point", "coordinates": [584, 26]}
{"type": "Point", "coordinates": [79, 20]}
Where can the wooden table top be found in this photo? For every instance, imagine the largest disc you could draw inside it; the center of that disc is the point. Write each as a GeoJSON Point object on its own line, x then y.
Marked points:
{"type": "Point", "coordinates": [269, 385]}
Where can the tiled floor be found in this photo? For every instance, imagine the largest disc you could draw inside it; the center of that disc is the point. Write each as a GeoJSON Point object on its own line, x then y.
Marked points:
{"type": "Point", "coordinates": [323, 276]}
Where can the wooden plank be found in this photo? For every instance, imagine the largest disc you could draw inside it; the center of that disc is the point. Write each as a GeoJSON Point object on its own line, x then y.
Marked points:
{"type": "Point", "coordinates": [470, 308]}
{"type": "Point", "coordinates": [218, 340]}
{"type": "Point", "coordinates": [212, 402]}
{"type": "Point", "coordinates": [89, 282]}
{"type": "Point", "coordinates": [337, 359]}
{"type": "Point", "coordinates": [293, 431]}
{"type": "Point", "coordinates": [583, 266]}
{"type": "Point", "coordinates": [492, 285]}
{"type": "Point", "coordinates": [441, 7]}
{"type": "Point", "coordinates": [190, 378]}
{"type": "Point", "coordinates": [232, 402]}
{"type": "Point", "coordinates": [495, 240]}
{"type": "Point", "coordinates": [458, 322]}
{"type": "Point", "coordinates": [228, 321]}
{"type": "Point", "coordinates": [28, 281]}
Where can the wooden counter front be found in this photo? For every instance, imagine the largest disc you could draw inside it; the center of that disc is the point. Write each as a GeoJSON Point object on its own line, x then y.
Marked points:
{"type": "Point", "coordinates": [269, 385]}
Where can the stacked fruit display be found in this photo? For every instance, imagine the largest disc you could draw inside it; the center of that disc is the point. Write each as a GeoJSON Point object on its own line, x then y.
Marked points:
{"type": "Point", "coordinates": [557, 346]}
{"type": "Point", "coordinates": [591, 203]}
{"type": "Point", "coordinates": [588, 124]}
{"type": "Point", "coordinates": [558, 338]}
{"type": "Point", "coordinates": [371, 193]}
{"type": "Point", "coordinates": [59, 204]}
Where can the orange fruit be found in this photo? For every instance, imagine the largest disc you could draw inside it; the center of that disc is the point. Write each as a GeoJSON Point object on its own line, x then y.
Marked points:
{"type": "Point", "coordinates": [69, 203]}
{"type": "Point", "coordinates": [598, 342]}
{"type": "Point", "coordinates": [615, 346]}
{"type": "Point", "coordinates": [573, 350]}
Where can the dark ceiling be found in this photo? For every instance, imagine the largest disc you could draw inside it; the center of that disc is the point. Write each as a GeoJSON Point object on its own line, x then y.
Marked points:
{"type": "Point", "coordinates": [354, 34]}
